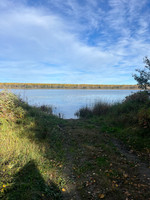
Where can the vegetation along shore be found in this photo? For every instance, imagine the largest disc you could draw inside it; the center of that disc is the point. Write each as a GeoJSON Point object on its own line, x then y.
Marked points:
{"type": "Point", "coordinates": [64, 86]}
{"type": "Point", "coordinates": [102, 155]}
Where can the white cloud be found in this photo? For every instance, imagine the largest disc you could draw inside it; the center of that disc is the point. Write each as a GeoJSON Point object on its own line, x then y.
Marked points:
{"type": "Point", "coordinates": [43, 43]}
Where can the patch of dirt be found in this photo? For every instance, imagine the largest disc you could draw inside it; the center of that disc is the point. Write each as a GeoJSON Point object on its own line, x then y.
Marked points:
{"type": "Point", "coordinates": [95, 170]}
{"type": "Point", "coordinates": [143, 168]}
{"type": "Point", "coordinates": [71, 190]}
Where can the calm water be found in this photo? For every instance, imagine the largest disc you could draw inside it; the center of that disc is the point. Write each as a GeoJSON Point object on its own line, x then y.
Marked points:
{"type": "Point", "coordinates": [67, 102]}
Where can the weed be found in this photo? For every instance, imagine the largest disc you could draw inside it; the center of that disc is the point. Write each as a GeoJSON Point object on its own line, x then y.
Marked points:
{"type": "Point", "coordinates": [102, 162]}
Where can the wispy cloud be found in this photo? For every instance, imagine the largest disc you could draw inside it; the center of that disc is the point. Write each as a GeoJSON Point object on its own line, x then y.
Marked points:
{"type": "Point", "coordinates": [73, 41]}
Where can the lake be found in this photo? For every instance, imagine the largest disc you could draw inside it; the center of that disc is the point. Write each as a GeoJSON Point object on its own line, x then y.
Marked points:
{"type": "Point", "coordinates": [67, 102]}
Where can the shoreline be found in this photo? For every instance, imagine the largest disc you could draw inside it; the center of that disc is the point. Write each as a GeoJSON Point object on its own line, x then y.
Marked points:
{"type": "Point", "coordinates": [66, 86]}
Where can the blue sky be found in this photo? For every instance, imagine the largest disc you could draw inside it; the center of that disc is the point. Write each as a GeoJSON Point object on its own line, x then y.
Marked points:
{"type": "Point", "coordinates": [73, 41]}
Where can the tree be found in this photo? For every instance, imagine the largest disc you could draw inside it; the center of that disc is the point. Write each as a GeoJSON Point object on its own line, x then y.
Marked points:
{"type": "Point", "coordinates": [143, 79]}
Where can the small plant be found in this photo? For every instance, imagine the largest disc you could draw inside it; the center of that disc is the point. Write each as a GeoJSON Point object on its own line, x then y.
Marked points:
{"type": "Point", "coordinates": [47, 109]}
{"type": "Point", "coordinates": [84, 112]}
{"type": "Point", "coordinates": [102, 162]}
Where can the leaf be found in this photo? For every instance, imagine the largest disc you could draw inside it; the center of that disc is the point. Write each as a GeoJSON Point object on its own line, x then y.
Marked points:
{"type": "Point", "coordinates": [125, 175]}
{"type": "Point", "coordinates": [101, 196]}
{"type": "Point", "coordinates": [63, 189]}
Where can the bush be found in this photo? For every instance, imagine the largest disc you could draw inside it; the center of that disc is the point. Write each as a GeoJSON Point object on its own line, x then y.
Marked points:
{"type": "Point", "coordinates": [46, 109]}
{"type": "Point", "coordinates": [144, 118]}
{"type": "Point", "coordinates": [134, 111]}
{"type": "Point", "coordinates": [10, 107]}
{"type": "Point", "coordinates": [101, 108]}
{"type": "Point", "coordinates": [132, 103]}
{"type": "Point", "coordinates": [138, 97]}
{"type": "Point", "coordinates": [84, 112]}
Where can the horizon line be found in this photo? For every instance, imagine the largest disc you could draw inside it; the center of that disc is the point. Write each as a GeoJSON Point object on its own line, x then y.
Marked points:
{"type": "Point", "coordinates": [67, 83]}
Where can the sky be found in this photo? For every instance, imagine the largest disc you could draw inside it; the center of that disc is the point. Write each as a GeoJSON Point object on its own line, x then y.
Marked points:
{"type": "Point", "coordinates": [73, 41]}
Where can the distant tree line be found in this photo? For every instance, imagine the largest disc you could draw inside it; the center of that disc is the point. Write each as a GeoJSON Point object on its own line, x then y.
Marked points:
{"type": "Point", "coordinates": [63, 86]}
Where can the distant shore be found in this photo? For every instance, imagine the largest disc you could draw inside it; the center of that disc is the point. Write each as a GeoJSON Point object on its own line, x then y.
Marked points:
{"type": "Point", "coordinates": [65, 86]}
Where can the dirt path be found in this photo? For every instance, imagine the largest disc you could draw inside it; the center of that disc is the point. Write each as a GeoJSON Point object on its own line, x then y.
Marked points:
{"type": "Point", "coordinates": [71, 190]}
{"type": "Point", "coordinates": [143, 168]}
{"type": "Point", "coordinates": [94, 169]}
{"type": "Point", "coordinates": [71, 193]}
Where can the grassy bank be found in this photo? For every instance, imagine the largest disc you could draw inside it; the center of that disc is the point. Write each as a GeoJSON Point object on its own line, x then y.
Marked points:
{"type": "Point", "coordinates": [128, 120]}
{"type": "Point", "coordinates": [44, 157]}
{"type": "Point", "coordinates": [29, 155]}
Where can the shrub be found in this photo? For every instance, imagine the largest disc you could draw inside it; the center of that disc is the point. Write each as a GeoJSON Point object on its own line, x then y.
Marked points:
{"type": "Point", "coordinates": [10, 107]}
{"type": "Point", "coordinates": [138, 97]}
{"type": "Point", "coordinates": [144, 118]}
{"type": "Point", "coordinates": [46, 109]}
{"type": "Point", "coordinates": [132, 103]}
{"type": "Point", "coordinates": [84, 112]}
{"type": "Point", "coordinates": [101, 108]}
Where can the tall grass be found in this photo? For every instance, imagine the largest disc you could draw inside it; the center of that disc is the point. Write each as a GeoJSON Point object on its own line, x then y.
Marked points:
{"type": "Point", "coordinates": [129, 120]}
{"type": "Point", "coordinates": [133, 111]}
{"type": "Point", "coordinates": [99, 108]}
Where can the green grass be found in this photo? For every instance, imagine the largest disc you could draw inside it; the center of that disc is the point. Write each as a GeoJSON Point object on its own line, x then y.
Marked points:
{"type": "Point", "coordinates": [102, 162]}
